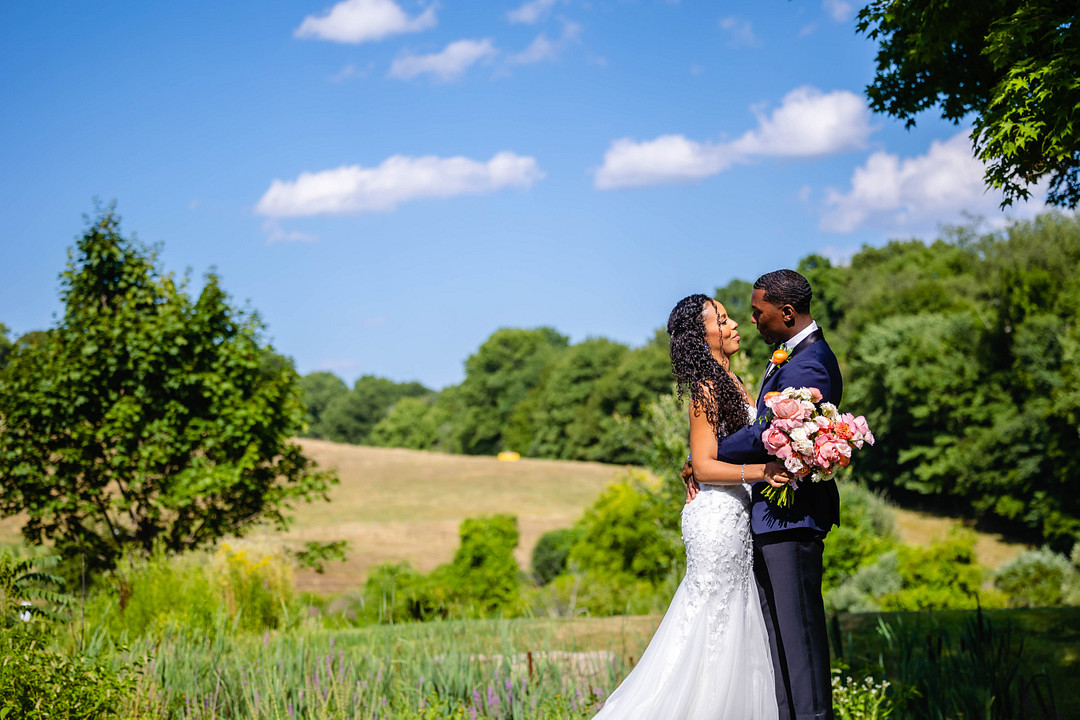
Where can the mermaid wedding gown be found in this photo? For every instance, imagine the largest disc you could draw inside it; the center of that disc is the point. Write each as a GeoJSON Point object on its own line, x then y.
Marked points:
{"type": "Point", "coordinates": [709, 659]}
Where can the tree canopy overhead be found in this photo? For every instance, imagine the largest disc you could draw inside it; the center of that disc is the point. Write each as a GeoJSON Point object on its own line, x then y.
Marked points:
{"type": "Point", "coordinates": [147, 416]}
{"type": "Point", "coordinates": [1012, 65]}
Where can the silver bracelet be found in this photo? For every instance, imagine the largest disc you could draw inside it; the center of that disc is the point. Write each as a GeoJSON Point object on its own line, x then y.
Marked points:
{"type": "Point", "coordinates": [742, 472]}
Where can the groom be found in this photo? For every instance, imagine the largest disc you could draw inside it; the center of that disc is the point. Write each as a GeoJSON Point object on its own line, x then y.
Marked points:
{"type": "Point", "coordinates": [788, 544]}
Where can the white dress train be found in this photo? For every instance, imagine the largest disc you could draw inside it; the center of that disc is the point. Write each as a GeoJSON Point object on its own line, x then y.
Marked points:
{"type": "Point", "coordinates": [709, 659]}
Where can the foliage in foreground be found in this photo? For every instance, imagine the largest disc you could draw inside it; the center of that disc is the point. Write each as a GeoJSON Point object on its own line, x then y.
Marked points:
{"type": "Point", "coordinates": [1009, 65]}
{"type": "Point", "coordinates": [997, 664]}
{"type": "Point", "coordinates": [146, 416]}
{"type": "Point", "coordinates": [40, 682]}
{"type": "Point", "coordinates": [241, 589]}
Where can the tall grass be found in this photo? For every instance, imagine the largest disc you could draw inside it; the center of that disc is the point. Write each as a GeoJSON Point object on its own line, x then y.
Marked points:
{"type": "Point", "coordinates": [435, 669]}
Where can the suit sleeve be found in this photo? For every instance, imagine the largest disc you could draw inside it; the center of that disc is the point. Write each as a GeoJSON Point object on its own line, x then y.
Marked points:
{"type": "Point", "coordinates": [745, 445]}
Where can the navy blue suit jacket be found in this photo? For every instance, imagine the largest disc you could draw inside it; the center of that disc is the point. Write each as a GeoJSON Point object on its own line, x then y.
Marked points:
{"type": "Point", "coordinates": [817, 505]}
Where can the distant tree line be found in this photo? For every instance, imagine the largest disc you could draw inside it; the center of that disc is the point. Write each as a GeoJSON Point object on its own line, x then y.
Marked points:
{"type": "Point", "coordinates": [525, 390]}
{"type": "Point", "coordinates": [964, 354]}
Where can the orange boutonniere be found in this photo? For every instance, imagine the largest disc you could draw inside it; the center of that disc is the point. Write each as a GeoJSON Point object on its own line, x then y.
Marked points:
{"type": "Point", "coordinates": [780, 355]}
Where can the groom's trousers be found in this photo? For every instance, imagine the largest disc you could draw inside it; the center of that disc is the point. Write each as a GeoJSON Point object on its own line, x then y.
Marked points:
{"type": "Point", "coordinates": [787, 567]}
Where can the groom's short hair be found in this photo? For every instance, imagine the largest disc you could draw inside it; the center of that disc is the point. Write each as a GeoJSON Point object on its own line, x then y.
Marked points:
{"type": "Point", "coordinates": [786, 287]}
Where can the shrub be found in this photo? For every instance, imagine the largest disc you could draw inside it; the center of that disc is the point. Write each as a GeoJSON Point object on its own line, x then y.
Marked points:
{"type": "Point", "coordinates": [943, 576]}
{"type": "Point", "coordinates": [626, 533]}
{"type": "Point", "coordinates": [395, 592]}
{"type": "Point", "coordinates": [861, 592]}
{"type": "Point", "coordinates": [485, 577]}
{"type": "Point", "coordinates": [592, 593]}
{"type": "Point", "coordinates": [39, 683]}
{"type": "Point", "coordinates": [551, 553]}
{"type": "Point", "coordinates": [196, 590]}
{"type": "Point", "coordinates": [1037, 578]}
{"type": "Point", "coordinates": [868, 529]}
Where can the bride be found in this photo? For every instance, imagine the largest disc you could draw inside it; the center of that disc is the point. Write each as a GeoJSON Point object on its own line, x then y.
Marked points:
{"type": "Point", "coordinates": [709, 659]}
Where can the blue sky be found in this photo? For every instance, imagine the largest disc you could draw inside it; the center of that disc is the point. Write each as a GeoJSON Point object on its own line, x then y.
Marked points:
{"type": "Point", "coordinates": [389, 181]}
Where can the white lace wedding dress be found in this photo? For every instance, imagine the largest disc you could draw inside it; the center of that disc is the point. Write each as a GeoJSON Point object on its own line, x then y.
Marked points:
{"type": "Point", "coordinates": [709, 659]}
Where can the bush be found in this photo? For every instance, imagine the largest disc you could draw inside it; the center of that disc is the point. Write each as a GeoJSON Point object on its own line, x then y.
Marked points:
{"type": "Point", "coordinates": [39, 683]}
{"type": "Point", "coordinates": [197, 590]}
{"type": "Point", "coordinates": [1038, 578]}
{"type": "Point", "coordinates": [867, 530]}
{"type": "Point", "coordinates": [483, 580]}
{"type": "Point", "coordinates": [862, 591]}
{"type": "Point", "coordinates": [626, 533]}
{"type": "Point", "coordinates": [395, 592]}
{"type": "Point", "coordinates": [485, 577]}
{"type": "Point", "coordinates": [551, 553]}
{"type": "Point", "coordinates": [943, 576]}
{"type": "Point", "coordinates": [579, 593]}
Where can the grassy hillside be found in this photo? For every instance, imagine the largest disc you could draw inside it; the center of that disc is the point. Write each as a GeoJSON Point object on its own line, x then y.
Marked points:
{"type": "Point", "coordinates": [394, 504]}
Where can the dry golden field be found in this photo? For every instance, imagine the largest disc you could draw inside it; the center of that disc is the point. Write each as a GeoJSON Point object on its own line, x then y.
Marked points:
{"type": "Point", "coordinates": [395, 504]}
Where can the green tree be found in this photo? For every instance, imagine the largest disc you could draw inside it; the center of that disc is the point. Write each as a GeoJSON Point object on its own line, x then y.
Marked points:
{"type": "Point", "coordinates": [413, 422]}
{"type": "Point", "coordinates": [350, 417]}
{"type": "Point", "coordinates": [498, 376]}
{"type": "Point", "coordinates": [625, 391]}
{"type": "Point", "coordinates": [320, 388]}
{"type": "Point", "coordinates": [5, 345]}
{"type": "Point", "coordinates": [146, 416]}
{"type": "Point", "coordinates": [1011, 65]}
{"type": "Point", "coordinates": [566, 424]}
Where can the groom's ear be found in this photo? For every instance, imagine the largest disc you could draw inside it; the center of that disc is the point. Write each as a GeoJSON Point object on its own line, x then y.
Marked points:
{"type": "Point", "coordinates": [787, 312]}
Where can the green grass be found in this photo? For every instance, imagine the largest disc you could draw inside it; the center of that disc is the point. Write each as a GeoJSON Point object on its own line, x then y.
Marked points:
{"type": "Point", "coordinates": [1044, 643]}
{"type": "Point", "coordinates": [523, 668]}
{"type": "Point", "coordinates": [495, 668]}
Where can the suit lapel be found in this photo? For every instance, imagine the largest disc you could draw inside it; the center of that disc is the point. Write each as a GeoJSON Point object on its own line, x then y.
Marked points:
{"type": "Point", "coordinates": [773, 371]}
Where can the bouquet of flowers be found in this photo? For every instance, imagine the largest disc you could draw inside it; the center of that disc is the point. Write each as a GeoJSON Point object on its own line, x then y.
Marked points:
{"type": "Point", "coordinates": [812, 438]}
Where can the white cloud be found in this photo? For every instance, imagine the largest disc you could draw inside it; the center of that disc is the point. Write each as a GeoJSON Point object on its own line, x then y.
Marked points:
{"type": "Point", "coordinates": [917, 193]}
{"type": "Point", "coordinates": [530, 12]}
{"type": "Point", "coordinates": [541, 48]}
{"type": "Point", "coordinates": [455, 59]}
{"type": "Point", "coordinates": [276, 234]}
{"type": "Point", "coordinates": [357, 21]}
{"type": "Point", "coordinates": [808, 123]}
{"type": "Point", "coordinates": [740, 32]}
{"type": "Point", "coordinates": [398, 179]}
{"type": "Point", "coordinates": [839, 256]}
{"type": "Point", "coordinates": [838, 10]}
{"type": "Point", "coordinates": [667, 159]}
{"type": "Point", "coordinates": [351, 71]}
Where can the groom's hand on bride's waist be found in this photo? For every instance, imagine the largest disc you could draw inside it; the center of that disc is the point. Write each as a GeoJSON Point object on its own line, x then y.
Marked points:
{"type": "Point", "coordinates": [692, 486]}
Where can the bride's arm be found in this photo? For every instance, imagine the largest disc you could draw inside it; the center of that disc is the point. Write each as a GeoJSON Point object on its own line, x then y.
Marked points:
{"type": "Point", "coordinates": [707, 469]}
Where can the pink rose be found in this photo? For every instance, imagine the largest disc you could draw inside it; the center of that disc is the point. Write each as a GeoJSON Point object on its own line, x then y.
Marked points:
{"type": "Point", "coordinates": [776, 443]}
{"type": "Point", "coordinates": [787, 425]}
{"type": "Point", "coordinates": [858, 424]}
{"type": "Point", "coordinates": [821, 422]}
{"type": "Point", "coordinates": [815, 394]}
{"type": "Point", "coordinates": [787, 408]}
{"type": "Point", "coordinates": [830, 450]}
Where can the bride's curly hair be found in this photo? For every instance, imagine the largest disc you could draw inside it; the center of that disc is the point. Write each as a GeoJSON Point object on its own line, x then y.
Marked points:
{"type": "Point", "coordinates": [697, 372]}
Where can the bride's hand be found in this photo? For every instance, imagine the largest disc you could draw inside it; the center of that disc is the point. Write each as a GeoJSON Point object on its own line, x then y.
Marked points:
{"type": "Point", "coordinates": [777, 475]}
